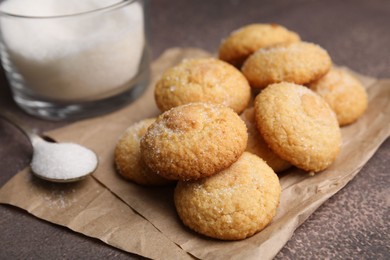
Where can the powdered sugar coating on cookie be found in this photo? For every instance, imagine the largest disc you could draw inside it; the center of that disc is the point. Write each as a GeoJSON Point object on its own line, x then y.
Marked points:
{"type": "Point", "coordinates": [202, 80]}
{"type": "Point", "coordinates": [194, 141]}
{"type": "Point", "coordinates": [299, 63]}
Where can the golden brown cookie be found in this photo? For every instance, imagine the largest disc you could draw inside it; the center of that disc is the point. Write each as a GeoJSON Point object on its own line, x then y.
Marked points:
{"type": "Point", "coordinates": [202, 80]}
{"type": "Point", "coordinates": [299, 63]}
{"type": "Point", "coordinates": [241, 43]}
{"type": "Point", "coordinates": [194, 141]}
{"type": "Point", "coordinates": [258, 146]}
{"type": "Point", "coordinates": [128, 156]}
{"type": "Point", "coordinates": [233, 204]}
{"type": "Point", "coordinates": [344, 93]}
{"type": "Point", "coordinates": [298, 125]}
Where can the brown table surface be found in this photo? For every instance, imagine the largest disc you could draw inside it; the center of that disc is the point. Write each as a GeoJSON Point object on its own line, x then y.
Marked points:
{"type": "Point", "coordinates": [353, 224]}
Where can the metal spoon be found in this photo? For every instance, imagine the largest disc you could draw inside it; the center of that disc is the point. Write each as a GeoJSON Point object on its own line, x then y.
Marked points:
{"type": "Point", "coordinates": [56, 162]}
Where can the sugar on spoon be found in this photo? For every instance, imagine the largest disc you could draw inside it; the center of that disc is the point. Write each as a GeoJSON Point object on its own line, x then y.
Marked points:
{"type": "Point", "coordinates": [56, 162]}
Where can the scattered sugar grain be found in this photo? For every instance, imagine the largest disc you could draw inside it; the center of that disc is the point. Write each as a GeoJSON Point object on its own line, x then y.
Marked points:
{"type": "Point", "coordinates": [60, 199]}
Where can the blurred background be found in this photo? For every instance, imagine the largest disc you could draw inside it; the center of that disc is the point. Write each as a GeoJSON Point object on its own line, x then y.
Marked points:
{"type": "Point", "coordinates": [353, 32]}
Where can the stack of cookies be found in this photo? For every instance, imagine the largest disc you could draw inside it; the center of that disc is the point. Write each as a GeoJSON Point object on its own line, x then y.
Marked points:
{"type": "Point", "coordinates": [223, 145]}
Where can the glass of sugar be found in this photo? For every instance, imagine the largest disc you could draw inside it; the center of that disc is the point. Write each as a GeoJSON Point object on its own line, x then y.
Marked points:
{"type": "Point", "coordinates": [74, 59]}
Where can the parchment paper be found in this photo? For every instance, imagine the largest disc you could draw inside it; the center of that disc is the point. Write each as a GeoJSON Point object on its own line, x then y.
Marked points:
{"type": "Point", "coordinates": [162, 230]}
{"type": "Point", "coordinates": [89, 208]}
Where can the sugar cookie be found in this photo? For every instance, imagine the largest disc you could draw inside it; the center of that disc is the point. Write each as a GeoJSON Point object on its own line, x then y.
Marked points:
{"type": "Point", "coordinates": [344, 93]}
{"type": "Point", "coordinates": [128, 156]}
{"type": "Point", "coordinates": [258, 146]}
{"type": "Point", "coordinates": [241, 43]}
{"type": "Point", "coordinates": [194, 141]}
{"type": "Point", "coordinates": [299, 63]}
{"type": "Point", "coordinates": [203, 80]}
{"type": "Point", "coordinates": [233, 204]}
{"type": "Point", "coordinates": [298, 125]}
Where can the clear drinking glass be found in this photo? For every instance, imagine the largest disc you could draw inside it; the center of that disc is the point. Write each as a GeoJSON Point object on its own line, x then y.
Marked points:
{"type": "Point", "coordinates": [74, 61]}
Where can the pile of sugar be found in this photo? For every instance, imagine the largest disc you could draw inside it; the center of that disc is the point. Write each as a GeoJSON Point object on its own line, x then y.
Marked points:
{"type": "Point", "coordinates": [62, 161]}
{"type": "Point", "coordinates": [84, 57]}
